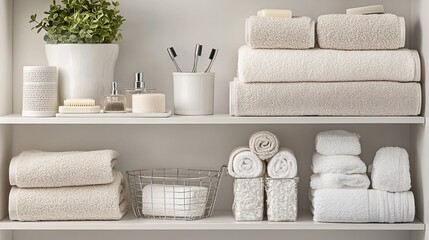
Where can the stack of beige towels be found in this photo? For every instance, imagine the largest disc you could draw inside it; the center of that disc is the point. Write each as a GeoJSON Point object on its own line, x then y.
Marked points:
{"type": "Point", "coordinates": [59, 186]}
{"type": "Point", "coordinates": [358, 67]}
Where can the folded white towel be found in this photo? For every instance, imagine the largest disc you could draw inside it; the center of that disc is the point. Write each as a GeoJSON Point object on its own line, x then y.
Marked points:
{"type": "Point", "coordinates": [282, 199]}
{"type": "Point", "coordinates": [361, 32]}
{"type": "Point", "coordinates": [245, 164]}
{"type": "Point", "coordinates": [32, 169]}
{"type": "Point", "coordinates": [323, 65]}
{"type": "Point", "coordinates": [359, 205]}
{"type": "Point", "coordinates": [274, 32]}
{"type": "Point", "coordinates": [248, 199]}
{"type": "Point", "coordinates": [391, 170]}
{"type": "Point", "coordinates": [338, 142]}
{"type": "Point", "coordinates": [346, 164]}
{"type": "Point", "coordinates": [97, 202]}
{"type": "Point", "coordinates": [339, 181]}
{"type": "Point", "coordinates": [264, 144]}
{"type": "Point", "coordinates": [283, 164]}
{"type": "Point", "coordinates": [174, 200]}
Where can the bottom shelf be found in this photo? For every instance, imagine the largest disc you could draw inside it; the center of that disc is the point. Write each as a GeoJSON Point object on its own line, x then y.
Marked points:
{"type": "Point", "coordinates": [219, 221]}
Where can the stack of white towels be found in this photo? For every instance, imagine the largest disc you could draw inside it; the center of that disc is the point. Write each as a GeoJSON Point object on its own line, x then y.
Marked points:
{"type": "Point", "coordinates": [339, 185]}
{"type": "Point", "coordinates": [58, 186]}
{"type": "Point", "coordinates": [264, 167]}
{"type": "Point", "coordinates": [360, 68]}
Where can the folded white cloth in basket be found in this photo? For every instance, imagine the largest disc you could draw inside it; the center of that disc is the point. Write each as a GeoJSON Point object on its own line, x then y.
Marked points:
{"type": "Point", "coordinates": [338, 142]}
{"type": "Point", "coordinates": [245, 164]}
{"type": "Point", "coordinates": [391, 170]}
{"type": "Point", "coordinates": [264, 144]}
{"type": "Point", "coordinates": [283, 164]}
{"type": "Point", "coordinates": [360, 206]}
{"type": "Point", "coordinates": [32, 169]}
{"type": "Point", "coordinates": [96, 202]}
{"type": "Point", "coordinates": [174, 200]}
{"type": "Point", "coordinates": [339, 181]}
{"type": "Point", "coordinates": [346, 164]}
{"type": "Point", "coordinates": [324, 65]}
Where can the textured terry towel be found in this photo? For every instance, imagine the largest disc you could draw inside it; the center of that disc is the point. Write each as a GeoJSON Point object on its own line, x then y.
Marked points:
{"type": "Point", "coordinates": [264, 144]}
{"type": "Point", "coordinates": [278, 33]}
{"type": "Point", "coordinates": [174, 201]}
{"type": "Point", "coordinates": [326, 99]}
{"type": "Point", "coordinates": [33, 169]}
{"type": "Point", "coordinates": [245, 164]}
{"type": "Point", "coordinates": [338, 142]}
{"type": "Point", "coordinates": [324, 65]}
{"type": "Point", "coordinates": [282, 199]}
{"type": "Point", "coordinates": [361, 32]}
{"type": "Point", "coordinates": [346, 164]}
{"type": "Point", "coordinates": [248, 199]}
{"type": "Point", "coordinates": [283, 165]}
{"type": "Point", "coordinates": [360, 206]}
{"type": "Point", "coordinates": [98, 202]}
{"type": "Point", "coordinates": [391, 170]}
{"type": "Point", "coordinates": [339, 181]}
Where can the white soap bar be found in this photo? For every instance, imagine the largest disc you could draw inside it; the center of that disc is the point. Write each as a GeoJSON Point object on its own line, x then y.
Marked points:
{"type": "Point", "coordinates": [375, 9]}
{"type": "Point", "coordinates": [275, 13]}
{"type": "Point", "coordinates": [148, 103]}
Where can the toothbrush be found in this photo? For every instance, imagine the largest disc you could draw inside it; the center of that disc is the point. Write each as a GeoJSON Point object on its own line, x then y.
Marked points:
{"type": "Point", "coordinates": [212, 58]}
{"type": "Point", "coordinates": [198, 52]}
{"type": "Point", "coordinates": [173, 56]}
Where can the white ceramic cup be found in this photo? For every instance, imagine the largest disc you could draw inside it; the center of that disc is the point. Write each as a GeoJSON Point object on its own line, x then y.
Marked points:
{"type": "Point", "coordinates": [193, 93]}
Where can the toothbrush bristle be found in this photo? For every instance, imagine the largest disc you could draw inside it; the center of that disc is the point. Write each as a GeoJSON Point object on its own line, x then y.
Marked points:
{"type": "Point", "coordinates": [83, 102]}
{"type": "Point", "coordinates": [172, 52]}
{"type": "Point", "coordinates": [212, 54]}
{"type": "Point", "coordinates": [199, 49]}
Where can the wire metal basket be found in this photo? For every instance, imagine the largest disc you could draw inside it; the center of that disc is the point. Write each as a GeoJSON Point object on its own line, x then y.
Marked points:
{"type": "Point", "coordinates": [172, 193]}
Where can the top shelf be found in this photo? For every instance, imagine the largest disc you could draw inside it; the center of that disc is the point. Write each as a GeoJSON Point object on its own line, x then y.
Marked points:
{"type": "Point", "coordinates": [217, 119]}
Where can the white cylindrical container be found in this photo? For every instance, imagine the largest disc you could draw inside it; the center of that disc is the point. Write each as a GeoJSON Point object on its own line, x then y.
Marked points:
{"type": "Point", "coordinates": [148, 103]}
{"type": "Point", "coordinates": [40, 91]}
{"type": "Point", "coordinates": [193, 93]}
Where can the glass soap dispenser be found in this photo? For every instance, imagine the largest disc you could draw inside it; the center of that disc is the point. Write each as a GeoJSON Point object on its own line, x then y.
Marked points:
{"type": "Point", "coordinates": [114, 103]}
{"type": "Point", "coordinates": [139, 88]}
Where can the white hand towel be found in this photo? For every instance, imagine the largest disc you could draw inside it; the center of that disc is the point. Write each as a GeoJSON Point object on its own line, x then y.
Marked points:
{"type": "Point", "coordinates": [278, 33]}
{"type": "Point", "coordinates": [264, 144]}
{"type": "Point", "coordinates": [361, 32]}
{"type": "Point", "coordinates": [283, 164]}
{"type": "Point", "coordinates": [245, 164]}
{"type": "Point", "coordinates": [322, 65]}
{"type": "Point", "coordinates": [97, 202]}
{"type": "Point", "coordinates": [248, 199]}
{"type": "Point", "coordinates": [391, 170]}
{"type": "Point", "coordinates": [339, 181]}
{"type": "Point", "coordinates": [338, 142]}
{"type": "Point", "coordinates": [32, 169]}
{"type": "Point", "coordinates": [346, 164]}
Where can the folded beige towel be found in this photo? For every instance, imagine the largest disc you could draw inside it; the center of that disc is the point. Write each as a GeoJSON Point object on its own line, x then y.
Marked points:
{"type": "Point", "coordinates": [326, 65]}
{"type": "Point", "coordinates": [361, 32]}
{"type": "Point", "coordinates": [32, 169]}
{"type": "Point", "coordinates": [325, 99]}
{"type": "Point", "coordinates": [274, 32]}
{"type": "Point", "coordinates": [99, 202]}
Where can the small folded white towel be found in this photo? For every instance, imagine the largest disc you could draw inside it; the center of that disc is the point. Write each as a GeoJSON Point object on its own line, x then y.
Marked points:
{"type": "Point", "coordinates": [338, 142]}
{"type": "Point", "coordinates": [339, 181]}
{"type": "Point", "coordinates": [245, 164]}
{"type": "Point", "coordinates": [33, 169]}
{"type": "Point", "coordinates": [283, 164]}
{"type": "Point", "coordinates": [346, 164]}
{"type": "Point", "coordinates": [248, 202]}
{"type": "Point", "coordinates": [391, 170]}
{"type": "Point", "coordinates": [264, 144]}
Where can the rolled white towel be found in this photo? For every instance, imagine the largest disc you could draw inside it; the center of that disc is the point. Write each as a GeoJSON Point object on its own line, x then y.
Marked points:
{"type": "Point", "coordinates": [283, 165]}
{"type": "Point", "coordinates": [346, 164]}
{"type": "Point", "coordinates": [245, 164]}
{"type": "Point", "coordinates": [338, 142]}
{"type": "Point", "coordinates": [264, 144]}
{"type": "Point", "coordinates": [339, 181]}
{"type": "Point", "coordinates": [391, 170]}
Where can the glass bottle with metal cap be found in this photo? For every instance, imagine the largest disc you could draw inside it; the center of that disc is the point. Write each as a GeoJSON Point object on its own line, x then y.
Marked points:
{"type": "Point", "coordinates": [139, 88]}
{"type": "Point", "coordinates": [114, 102]}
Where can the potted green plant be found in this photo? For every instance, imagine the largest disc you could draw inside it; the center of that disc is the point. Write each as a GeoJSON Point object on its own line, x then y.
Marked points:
{"type": "Point", "coordinates": [81, 38]}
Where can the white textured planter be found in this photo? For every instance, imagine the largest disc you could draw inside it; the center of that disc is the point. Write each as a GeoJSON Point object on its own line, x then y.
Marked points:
{"type": "Point", "coordinates": [85, 70]}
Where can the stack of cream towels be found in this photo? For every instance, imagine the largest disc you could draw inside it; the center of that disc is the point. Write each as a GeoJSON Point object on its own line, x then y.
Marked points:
{"type": "Point", "coordinates": [339, 186]}
{"type": "Point", "coordinates": [57, 186]}
{"type": "Point", "coordinates": [360, 68]}
{"type": "Point", "coordinates": [264, 167]}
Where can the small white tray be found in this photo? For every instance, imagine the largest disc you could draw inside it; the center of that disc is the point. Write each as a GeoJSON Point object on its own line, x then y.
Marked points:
{"type": "Point", "coordinates": [115, 115]}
